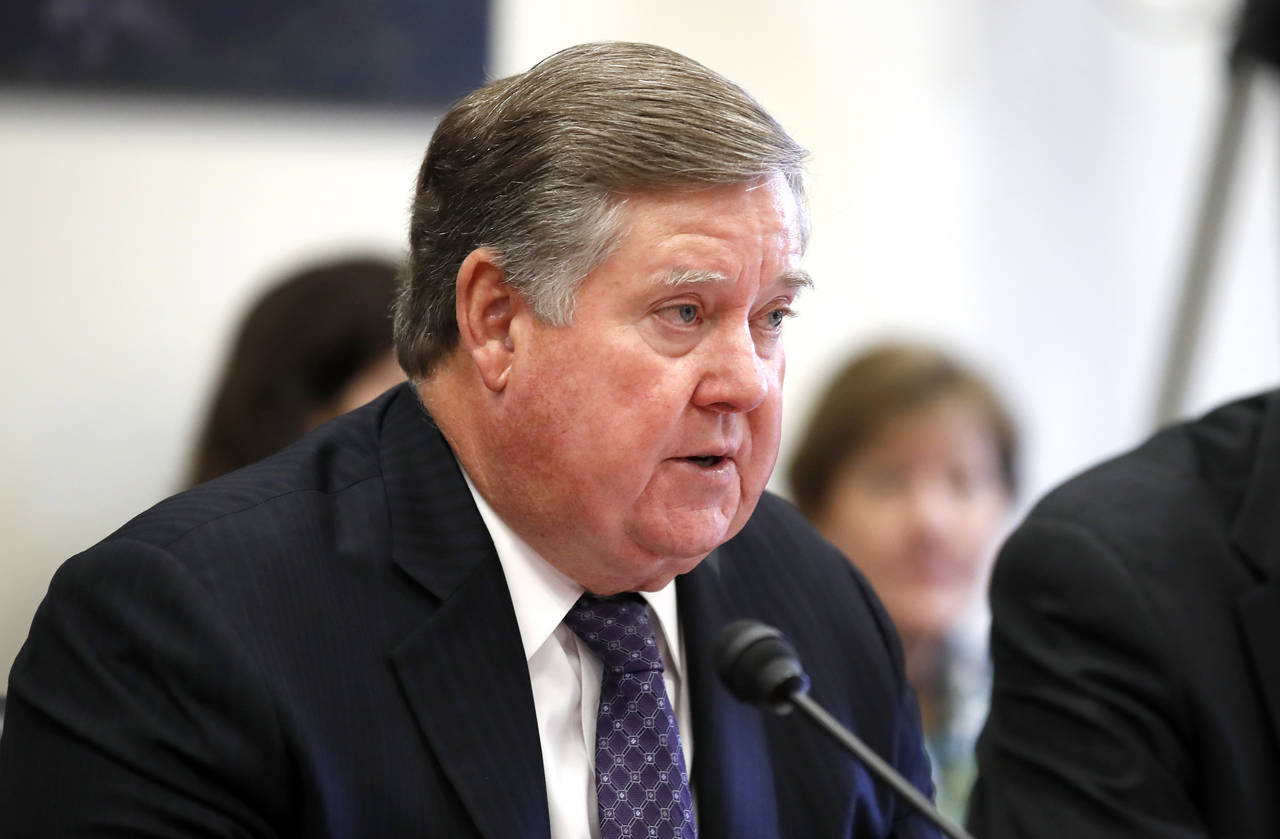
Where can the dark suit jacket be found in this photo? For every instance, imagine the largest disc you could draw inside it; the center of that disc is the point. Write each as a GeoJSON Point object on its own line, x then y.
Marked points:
{"type": "Point", "coordinates": [323, 645]}
{"type": "Point", "coordinates": [1136, 644]}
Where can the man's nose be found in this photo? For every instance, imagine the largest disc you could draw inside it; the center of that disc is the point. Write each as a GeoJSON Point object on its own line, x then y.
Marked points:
{"type": "Point", "coordinates": [735, 378]}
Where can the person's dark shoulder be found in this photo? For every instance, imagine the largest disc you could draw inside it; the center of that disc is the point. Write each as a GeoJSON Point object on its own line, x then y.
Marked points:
{"type": "Point", "coordinates": [1161, 504]}
{"type": "Point", "coordinates": [781, 572]}
{"type": "Point", "coordinates": [798, 580]}
{"type": "Point", "coordinates": [1191, 467]}
{"type": "Point", "coordinates": [293, 490]}
{"type": "Point", "coordinates": [778, 538]}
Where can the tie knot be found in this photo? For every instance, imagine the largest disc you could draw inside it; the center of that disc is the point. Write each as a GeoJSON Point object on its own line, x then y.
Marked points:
{"type": "Point", "coordinates": [617, 629]}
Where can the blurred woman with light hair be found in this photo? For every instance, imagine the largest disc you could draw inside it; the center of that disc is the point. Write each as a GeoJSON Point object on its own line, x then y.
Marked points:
{"type": "Point", "coordinates": [908, 465]}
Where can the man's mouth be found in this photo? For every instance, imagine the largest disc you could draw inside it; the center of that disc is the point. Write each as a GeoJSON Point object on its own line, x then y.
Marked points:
{"type": "Point", "coordinates": [706, 459]}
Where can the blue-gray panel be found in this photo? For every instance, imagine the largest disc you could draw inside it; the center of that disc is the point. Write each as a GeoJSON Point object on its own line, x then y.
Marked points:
{"type": "Point", "coordinates": [376, 51]}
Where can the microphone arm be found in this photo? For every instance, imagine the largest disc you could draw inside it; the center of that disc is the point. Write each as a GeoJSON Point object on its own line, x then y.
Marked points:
{"type": "Point", "coordinates": [816, 714]}
{"type": "Point", "coordinates": [758, 665]}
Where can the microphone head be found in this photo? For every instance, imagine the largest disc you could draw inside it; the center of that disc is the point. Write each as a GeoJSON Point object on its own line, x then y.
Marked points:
{"type": "Point", "coordinates": [758, 664]}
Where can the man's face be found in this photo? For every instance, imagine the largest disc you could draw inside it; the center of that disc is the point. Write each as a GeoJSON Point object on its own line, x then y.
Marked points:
{"type": "Point", "coordinates": [640, 437]}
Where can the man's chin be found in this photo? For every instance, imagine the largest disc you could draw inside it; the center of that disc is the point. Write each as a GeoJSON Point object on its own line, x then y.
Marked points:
{"type": "Point", "coordinates": [679, 556]}
{"type": "Point", "coordinates": [669, 570]}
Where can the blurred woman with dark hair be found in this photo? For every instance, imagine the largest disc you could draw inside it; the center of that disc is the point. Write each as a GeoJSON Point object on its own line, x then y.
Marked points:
{"type": "Point", "coordinates": [909, 467]}
{"type": "Point", "coordinates": [314, 346]}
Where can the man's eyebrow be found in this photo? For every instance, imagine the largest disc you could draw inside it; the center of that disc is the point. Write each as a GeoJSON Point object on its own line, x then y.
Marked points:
{"type": "Point", "coordinates": [796, 279]}
{"type": "Point", "coordinates": [793, 280]}
{"type": "Point", "coordinates": [693, 276]}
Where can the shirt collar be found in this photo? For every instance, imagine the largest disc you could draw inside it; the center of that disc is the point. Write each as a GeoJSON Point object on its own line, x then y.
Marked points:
{"type": "Point", "coordinates": [542, 595]}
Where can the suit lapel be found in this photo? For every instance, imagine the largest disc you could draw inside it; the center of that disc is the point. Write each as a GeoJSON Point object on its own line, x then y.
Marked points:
{"type": "Point", "coordinates": [463, 670]}
{"type": "Point", "coordinates": [1258, 611]}
{"type": "Point", "coordinates": [464, 673]}
{"type": "Point", "coordinates": [732, 773]}
{"type": "Point", "coordinates": [1257, 535]}
{"type": "Point", "coordinates": [469, 689]}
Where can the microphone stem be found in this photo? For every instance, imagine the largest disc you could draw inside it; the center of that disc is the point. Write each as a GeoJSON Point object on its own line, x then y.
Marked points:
{"type": "Point", "coordinates": [819, 717]}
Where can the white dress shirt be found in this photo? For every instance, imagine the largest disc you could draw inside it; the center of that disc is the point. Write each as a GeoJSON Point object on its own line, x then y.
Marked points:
{"type": "Point", "coordinates": [566, 674]}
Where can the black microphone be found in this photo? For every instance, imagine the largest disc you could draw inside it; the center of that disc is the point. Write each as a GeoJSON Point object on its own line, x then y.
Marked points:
{"type": "Point", "coordinates": [759, 665]}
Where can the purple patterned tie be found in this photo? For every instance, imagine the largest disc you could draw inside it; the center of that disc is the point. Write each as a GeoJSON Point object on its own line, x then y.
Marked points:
{"type": "Point", "coordinates": [642, 788]}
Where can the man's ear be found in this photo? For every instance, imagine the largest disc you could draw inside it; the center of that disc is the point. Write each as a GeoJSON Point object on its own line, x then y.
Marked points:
{"type": "Point", "coordinates": [485, 306]}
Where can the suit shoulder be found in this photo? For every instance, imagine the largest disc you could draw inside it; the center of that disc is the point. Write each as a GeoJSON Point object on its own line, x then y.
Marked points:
{"type": "Point", "coordinates": [335, 456]}
{"type": "Point", "coordinates": [778, 518]}
{"type": "Point", "coordinates": [779, 553]}
{"type": "Point", "coordinates": [1154, 510]}
{"type": "Point", "coordinates": [1191, 469]}
{"type": "Point", "coordinates": [777, 529]}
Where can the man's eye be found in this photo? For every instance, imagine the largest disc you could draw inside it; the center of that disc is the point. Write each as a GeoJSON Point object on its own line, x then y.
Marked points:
{"type": "Point", "coordinates": [775, 317]}
{"type": "Point", "coordinates": [686, 313]}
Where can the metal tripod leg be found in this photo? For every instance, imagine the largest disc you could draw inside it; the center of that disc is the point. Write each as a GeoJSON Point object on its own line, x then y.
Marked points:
{"type": "Point", "coordinates": [1204, 247]}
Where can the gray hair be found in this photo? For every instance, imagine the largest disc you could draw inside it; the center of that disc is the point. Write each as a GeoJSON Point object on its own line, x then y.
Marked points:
{"type": "Point", "coordinates": [536, 166]}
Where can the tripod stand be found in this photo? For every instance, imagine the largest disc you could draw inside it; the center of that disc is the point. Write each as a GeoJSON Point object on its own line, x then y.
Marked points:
{"type": "Point", "coordinates": [1257, 42]}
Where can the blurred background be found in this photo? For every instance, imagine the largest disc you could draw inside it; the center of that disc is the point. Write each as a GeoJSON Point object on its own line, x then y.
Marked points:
{"type": "Point", "coordinates": [1013, 180]}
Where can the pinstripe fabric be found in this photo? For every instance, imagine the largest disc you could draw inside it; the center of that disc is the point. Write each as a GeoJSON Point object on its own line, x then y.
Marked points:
{"type": "Point", "coordinates": [322, 645]}
{"type": "Point", "coordinates": [1136, 643]}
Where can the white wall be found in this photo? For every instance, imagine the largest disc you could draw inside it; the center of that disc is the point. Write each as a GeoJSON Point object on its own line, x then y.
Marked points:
{"type": "Point", "coordinates": [134, 235]}
{"type": "Point", "coordinates": [1012, 178]}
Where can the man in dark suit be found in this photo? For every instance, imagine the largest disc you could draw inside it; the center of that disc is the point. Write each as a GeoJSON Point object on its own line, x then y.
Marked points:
{"type": "Point", "coordinates": [1136, 644]}
{"type": "Point", "coordinates": [420, 619]}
